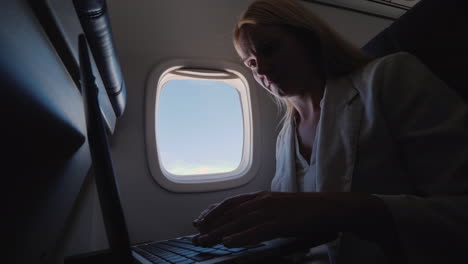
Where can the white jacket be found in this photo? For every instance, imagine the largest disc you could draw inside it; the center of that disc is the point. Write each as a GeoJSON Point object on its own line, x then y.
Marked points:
{"type": "Point", "coordinates": [396, 131]}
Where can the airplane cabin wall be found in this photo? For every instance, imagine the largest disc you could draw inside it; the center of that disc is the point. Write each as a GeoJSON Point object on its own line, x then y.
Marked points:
{"type": "Point", "coordinates": [146, 33]}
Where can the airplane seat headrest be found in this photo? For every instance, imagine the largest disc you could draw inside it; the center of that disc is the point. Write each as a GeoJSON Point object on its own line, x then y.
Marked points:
{"type": "Point", "coordinates": [435, 32]}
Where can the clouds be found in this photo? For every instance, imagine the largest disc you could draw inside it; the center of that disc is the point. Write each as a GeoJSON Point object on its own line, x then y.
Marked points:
{"type": "Point", "coordinates": [182, 167]}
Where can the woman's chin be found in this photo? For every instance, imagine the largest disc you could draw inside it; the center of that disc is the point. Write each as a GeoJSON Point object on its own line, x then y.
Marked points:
{"type": "Point", "coordinates": [275, 90]}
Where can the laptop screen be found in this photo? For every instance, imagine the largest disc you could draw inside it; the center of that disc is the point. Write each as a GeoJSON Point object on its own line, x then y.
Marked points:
{"type": "Point", "coordinates": [106, 182]}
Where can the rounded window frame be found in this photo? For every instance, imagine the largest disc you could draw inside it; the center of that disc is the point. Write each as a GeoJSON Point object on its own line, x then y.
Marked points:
{"type": "Point", "coordinates": [251, 152]}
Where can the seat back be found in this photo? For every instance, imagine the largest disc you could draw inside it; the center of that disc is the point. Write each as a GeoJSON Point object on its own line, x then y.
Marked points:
{"type": "Point", "coordinates": [434, 31]}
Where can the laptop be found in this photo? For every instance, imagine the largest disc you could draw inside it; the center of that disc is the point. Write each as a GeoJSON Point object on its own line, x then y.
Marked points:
{"type": "Point", "coordinates": [178, 250]}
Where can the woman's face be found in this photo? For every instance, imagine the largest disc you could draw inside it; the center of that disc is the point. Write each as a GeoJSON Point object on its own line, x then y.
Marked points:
{"type": "Point", "coordinates": [279, 60]}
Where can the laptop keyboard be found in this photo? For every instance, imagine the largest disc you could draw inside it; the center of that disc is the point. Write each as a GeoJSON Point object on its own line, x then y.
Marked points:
{"type": "Point", "coordinates": [182, 251]}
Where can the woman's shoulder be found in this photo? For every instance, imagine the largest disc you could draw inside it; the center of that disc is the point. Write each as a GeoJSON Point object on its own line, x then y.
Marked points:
{"type": "Point", "coordinates": [397, 56]}
{"type": "Point", "coordinates": [387, 67]}
{"type": "Point", "coordinates": [393, 62]}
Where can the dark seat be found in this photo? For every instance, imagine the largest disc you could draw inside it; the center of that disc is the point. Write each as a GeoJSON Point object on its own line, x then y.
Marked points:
{"type": "Point", "coordinates": [435, 31]}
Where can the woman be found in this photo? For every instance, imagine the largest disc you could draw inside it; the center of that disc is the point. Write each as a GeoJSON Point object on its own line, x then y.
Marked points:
{"type": "Point", "coordinates": [372, 159]}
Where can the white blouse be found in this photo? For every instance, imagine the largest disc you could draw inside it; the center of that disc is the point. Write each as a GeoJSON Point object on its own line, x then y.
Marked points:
{"type": "Point", "coordinates": [305, 168]}
{"type": "Point", "coordinates": [394, 130]}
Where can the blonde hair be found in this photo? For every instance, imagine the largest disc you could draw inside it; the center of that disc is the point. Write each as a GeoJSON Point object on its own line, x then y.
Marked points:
{"type": "Point", "coordinates": [337, 56]}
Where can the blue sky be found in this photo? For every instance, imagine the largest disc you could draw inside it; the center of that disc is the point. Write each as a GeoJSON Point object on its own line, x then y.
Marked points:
{"type": "Point", "coordinates": [199, 127]}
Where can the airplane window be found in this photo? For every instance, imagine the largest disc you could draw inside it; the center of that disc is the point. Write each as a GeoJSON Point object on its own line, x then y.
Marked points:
{"type": "Point", "coordinates": [199, 131]}
{"type": "Point", "coordinates": [199, 128]}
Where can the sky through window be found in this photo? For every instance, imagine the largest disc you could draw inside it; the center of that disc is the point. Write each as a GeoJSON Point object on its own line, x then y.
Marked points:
{"type": "Point", "coordinates": [199, 127]}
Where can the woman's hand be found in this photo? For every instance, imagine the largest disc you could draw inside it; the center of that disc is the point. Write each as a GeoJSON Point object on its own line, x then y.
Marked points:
{"type": "Point", "coordinates": [252, 218]}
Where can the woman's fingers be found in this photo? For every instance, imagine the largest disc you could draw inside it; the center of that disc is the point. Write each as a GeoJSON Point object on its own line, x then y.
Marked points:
{"type": "Point", "coordinates": [249, 206]}
{"type": "Point", "coordinates": [254, 235]}
{"type": "Point", "coordinates": [196, 223]}
{"type": "Point", "coordinates": [245, 208]}
{"type": "Point", "coordinates": [239, 225]}
{"type": "Point", "coordinates": [205, 212]}
{"type": "Point", "coordinates": [220, 209]}
{"type": "Point", "coordinates": [221, 220]}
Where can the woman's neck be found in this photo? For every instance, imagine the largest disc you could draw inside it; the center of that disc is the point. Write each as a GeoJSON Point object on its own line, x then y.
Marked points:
{"type": "Point", "coordinates": [307, 106]}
